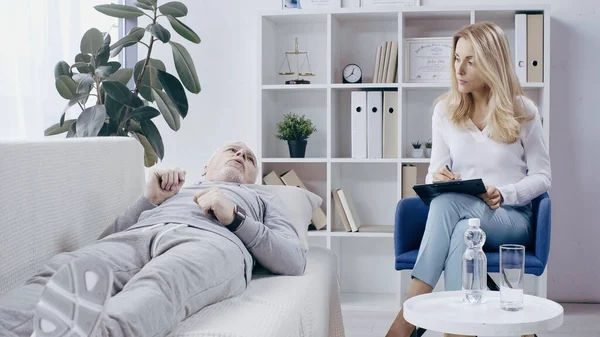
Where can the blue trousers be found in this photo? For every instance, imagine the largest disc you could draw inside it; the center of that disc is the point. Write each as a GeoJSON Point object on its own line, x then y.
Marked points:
{"type": "Point", "coordinates": [443, 242]}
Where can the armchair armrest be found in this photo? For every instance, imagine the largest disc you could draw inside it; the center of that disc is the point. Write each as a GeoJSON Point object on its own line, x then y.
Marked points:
{"type": "Point", "coordinates": [542, 220]}
{"type": "Point", "coordinates": [410, 220]}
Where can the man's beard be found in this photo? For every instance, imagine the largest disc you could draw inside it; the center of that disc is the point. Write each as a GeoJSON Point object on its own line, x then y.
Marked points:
{"type": "Point", "coordinates": [231, 175]}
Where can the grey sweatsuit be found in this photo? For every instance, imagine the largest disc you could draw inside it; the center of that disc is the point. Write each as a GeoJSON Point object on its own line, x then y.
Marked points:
{"type": "Point", "coordinates": [170, 261]}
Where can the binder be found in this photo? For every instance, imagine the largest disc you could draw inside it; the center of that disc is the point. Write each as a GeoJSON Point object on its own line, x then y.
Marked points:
{"type": "Point", "coordinates": [290, 178]}
{"type": "Point", "coordinates": [374, 124]}
{"type": "Point", "coordinates": [359, 124]}
{"type": "Point", "coordinates": [521, 47]}
{"type": "Point", "coordinates": [535, 47]}
{"type": "Point", "coordinates": [390, 124]}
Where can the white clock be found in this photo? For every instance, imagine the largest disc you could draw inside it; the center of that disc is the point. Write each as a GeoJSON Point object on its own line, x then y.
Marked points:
{"type": "Point", "coordinates": [352, 74]}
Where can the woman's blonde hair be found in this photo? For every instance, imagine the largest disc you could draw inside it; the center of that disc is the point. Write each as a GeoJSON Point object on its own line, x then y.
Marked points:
{"type": "Point", "coordinates": [493, 61]}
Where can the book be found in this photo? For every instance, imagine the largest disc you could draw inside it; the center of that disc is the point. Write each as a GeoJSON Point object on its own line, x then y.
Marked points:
{"type": "Point", "coordinates": [340, 210]}
{"type": "Point", "coordinates": [290, 178]}
{"type": "Point", "coordinates": [353, 218]}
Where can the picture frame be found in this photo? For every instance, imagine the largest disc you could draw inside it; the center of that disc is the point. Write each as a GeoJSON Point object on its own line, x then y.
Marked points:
{"type": "Point", "coordinates": [310, 4]}
{"type": "Point", "coordinates": [427, 60]}
{"type": "Point", "coordinates": [390, 3]}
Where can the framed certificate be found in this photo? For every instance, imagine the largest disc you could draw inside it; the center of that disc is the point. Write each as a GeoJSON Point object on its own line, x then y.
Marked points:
{"type": "Point", "coordinates": [427, 60]}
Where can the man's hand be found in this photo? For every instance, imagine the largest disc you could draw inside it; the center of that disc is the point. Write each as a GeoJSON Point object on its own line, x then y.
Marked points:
{"type": "Point", "coordinates": [492, 197]}
{"type": "Point", "coordinates": [163, 184]}
{"type": "Point", "coordinates": [213, 201]}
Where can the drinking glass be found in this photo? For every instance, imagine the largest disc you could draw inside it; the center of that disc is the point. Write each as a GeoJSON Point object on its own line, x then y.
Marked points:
{"type": "Point", "coordinates": [512, 273]}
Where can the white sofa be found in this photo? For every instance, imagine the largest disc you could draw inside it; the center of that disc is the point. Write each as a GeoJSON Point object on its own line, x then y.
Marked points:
{"type": "Point", "coordinates": [59, 194]}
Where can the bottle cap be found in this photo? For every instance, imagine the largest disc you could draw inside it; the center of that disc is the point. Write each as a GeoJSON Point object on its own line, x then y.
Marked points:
{"type": "Point", "coordinates": [474, 222]}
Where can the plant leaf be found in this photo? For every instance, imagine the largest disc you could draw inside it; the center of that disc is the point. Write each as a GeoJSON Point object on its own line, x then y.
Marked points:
{"type": "Point", "coordinates": [107, 70]}
{"type": "Point", "coordinates": [84, 59]}
{"type": "Point", "coordinates": [66, 87]}
{"type": "Point", "coordinates": [148, 2]}
{"type": "Point", "coordinates": [103, 56]}
{"type": "Point", "coordinates": [174, 8]}
{"type": "Point", "coordinates": [90, 121]}
{"type": "Point", "coordinates": [153, 136]}
{"type": "Point", "coordinates": [185, 67]}
{"type": "Point", "coordinates": [134, 36]}
{"type": "Point", "coordinates": [150, 78]}
{"type": "Point", "coordinates": [143, 6]}
{"type": "Point", "coordinates": [84, 82]}
{"type": "Point", "coordinates": [136, 102]}
{"type": "Point", "coordinates": [62, 68]}
{"type": "Point", "coordinates": [121, 75]}
{"type": "Point", "coordinates": [114, 109]}
{"type": "Point", "coordinates": [57, 129]}
{"type": "Point", "coordinates": [78, 98]}
{"type": "Point", "coordinates": [144, 112]}
{"type": "Point", "coordinates": [159, 32]}
{"type": "Point", "coordinates": [150, 157]}
{"type": "Point", "coordinates": [174, 90]}
{"type": "Point", "coordinates": [91, 41]}
{"type": "Point", "coordinates": [119, 11]}
{"type": "Point", "coordinates": [117, 91]}
{"type": "Point", "coordinates": [183, 30]}
{"type": "Point", "coordinates": [72, 130]}
{"type": "Point", "coordinates": [167, 108]}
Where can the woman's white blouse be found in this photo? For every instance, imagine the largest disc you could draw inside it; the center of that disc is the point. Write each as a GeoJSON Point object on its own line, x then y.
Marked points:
{"type": "Point", "coordinates": [521, 170]}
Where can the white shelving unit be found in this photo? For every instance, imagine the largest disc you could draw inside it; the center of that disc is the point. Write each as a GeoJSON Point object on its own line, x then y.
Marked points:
{"type": "Point", "coordinates": [366, 259]}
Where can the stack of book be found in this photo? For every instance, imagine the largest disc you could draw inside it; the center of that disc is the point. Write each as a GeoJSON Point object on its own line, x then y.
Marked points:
{"type": "Point", "coordinates": [346, 210]}
{"type": "Point", "coordinates": [290, 178]}
{"type": "Point", "coordinates": [386, 61]}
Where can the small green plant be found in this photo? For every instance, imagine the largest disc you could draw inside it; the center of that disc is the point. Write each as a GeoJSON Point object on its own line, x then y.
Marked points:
{"type": "Point", "coordinates": [416, 145]}
{"type": "Point", "coordinates": [428, 144]}
{"type": "Point", "coordinates": [294, 127]}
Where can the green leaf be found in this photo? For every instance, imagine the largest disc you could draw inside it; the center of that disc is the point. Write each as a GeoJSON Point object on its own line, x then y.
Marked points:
{"type": "Point", "coordinates": [144, 112]}
{"type": "Point", "coordinates": [134, 36]}
{"type": "Point", "coordinates": [153, 136]}
{"type": "Point", "coordinates": [174, 8]}
{"type": "Point", "coordinates": [167, 108]}
{"type": "Point", "coordinates": [107, 70]}
{"type": "Point", "coordinates": [159, 32]}
{"type": "Point", "coordinates": [150, 157]}
{"type": "Point", "coordinates": [143, 6]}
{"type": "Point", "coordinates": [150, 78]}
{"type": "Point", "coordinates": [117, 91]}
{"type": "Point", "coordinates": [84, 82]}
{"type": "Point", "coordinates": [185, 67]}
{"type": "Point", "coordinates": [62, 68]}
{"type": "Point", "coordinates": [84, 59]}
{"type": "Point", "coordinates": [148, 2]}
{"type": "Point", "coordinates": [72, 130]}
{"type": "Point", "coordinates": [91, 41]}
{"type": "Point", "coordinates": [114, 65]}
{"type": "Point", "coordinates": [78, 98]}
{"type": "Point", "coordinates": [136, 102]}
{"type": "Point", "coordinates": [183, 30]}
{"type": "Point", "coordinates": [119, 11]}
{"type": "Point", "coordinates": [103, 56]}
{"type": "Point", "coordinates": [57, 129]}
{"type": "Point", "coordinates": [114, 109]}
{"type": "Point", "coordinates": [121, 75]}
{"type": "Point", "coordinates": [91, 120]}
{"type": "Point", "coordinates": [66, 87]}
{"type": "Point", "coordinates": [174, 90]}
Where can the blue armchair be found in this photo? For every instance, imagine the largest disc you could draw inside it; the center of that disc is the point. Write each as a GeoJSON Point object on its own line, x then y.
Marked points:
{"type": "Point", "coordinates": [411, 216]}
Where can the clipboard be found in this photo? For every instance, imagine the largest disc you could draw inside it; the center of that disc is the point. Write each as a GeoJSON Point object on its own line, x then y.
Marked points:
{"type": "Point", "coordinates": [428, 192]}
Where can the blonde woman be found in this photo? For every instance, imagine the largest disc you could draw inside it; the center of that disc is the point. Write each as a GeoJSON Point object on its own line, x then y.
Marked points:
{"type": "Point", "coordinates": [482, 128]}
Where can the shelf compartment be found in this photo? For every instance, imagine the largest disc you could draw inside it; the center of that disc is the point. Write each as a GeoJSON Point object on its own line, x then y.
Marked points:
{"type": "Point", "coordinates": [311, 104]}
{"type": "Point", "coordinates": [416, 117]}
{"type": "Point", "coordinates": [355, 38]}
{"type": "Point", "coordinates": [279, 33]}
{"type": "Point", "coordinates": [442, 23]}
{"type": "Point", "coordinates": [372, 189]}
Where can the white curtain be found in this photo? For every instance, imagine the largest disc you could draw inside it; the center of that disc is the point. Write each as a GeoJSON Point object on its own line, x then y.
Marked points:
{"type": "Point", "coordinates": [37, 34]}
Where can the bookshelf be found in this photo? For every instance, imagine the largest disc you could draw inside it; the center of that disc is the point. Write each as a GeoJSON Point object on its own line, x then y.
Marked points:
{"type": "Point", "coordinates": [334, 38]}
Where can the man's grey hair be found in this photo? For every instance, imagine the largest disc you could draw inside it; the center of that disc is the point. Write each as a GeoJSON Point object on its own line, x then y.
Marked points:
{"type": "Point", "coordinates": [218, 149]}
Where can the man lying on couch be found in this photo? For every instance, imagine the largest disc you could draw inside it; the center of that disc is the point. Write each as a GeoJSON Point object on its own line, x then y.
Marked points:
{"type": "Point", "coordinates": [173, 252]}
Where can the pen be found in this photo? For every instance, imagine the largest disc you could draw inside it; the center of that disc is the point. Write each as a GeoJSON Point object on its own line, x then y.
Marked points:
{"type": "Point", "coordinates": [448, 168]}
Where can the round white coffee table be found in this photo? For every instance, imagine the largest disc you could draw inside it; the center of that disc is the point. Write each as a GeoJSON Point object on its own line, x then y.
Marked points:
{"type": "Point", "coordinates": [447, 312]}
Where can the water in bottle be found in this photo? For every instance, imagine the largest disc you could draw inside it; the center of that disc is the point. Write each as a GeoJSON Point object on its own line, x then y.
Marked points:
{"type": "Point", "coordinates": [474, 265]}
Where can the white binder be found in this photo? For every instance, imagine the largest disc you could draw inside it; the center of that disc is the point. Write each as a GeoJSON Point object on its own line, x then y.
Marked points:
{"type": "Point", "coordinates": [374, 124]}
{"type": "Point", "coordinates": [390, 124]}
{"type": "Point", "coordinates": [521, 47]}
{"type": "Point", "coordinates": [359, 124]}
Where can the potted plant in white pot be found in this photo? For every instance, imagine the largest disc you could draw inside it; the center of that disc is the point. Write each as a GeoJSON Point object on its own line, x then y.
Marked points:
{"type": "Point", "coordinates": [428, 145]}
{"type": "Point", "coordinates": [295, 130]}
{"type": "Point", "coordinates": [417, 150]}
{"type": "Point", "coordinates": [101, 89]}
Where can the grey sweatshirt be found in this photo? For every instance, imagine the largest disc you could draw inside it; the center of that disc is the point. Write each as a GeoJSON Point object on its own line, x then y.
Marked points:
{"type": "Point", "coordinates": [267, 234]}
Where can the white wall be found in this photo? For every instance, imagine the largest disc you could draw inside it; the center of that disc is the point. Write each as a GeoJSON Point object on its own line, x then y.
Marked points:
{"type": "Point", "coordinates": [226, 109]}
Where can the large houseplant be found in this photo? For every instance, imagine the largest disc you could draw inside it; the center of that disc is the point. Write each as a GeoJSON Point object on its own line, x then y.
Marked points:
{"type": "Point", "coordinates": [99, 87]}
{"type": "Point", "coordinates": [295, 130]}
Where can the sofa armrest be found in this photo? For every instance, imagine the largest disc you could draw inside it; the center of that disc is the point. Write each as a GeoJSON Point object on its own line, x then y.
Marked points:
{"type": "Point", "coordinates": [542, 227]}
{"type": "Point", "coordinates": [411, 217]}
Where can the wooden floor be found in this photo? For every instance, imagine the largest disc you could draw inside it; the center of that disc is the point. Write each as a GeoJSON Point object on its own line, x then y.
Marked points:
{"type": "Point", "coordinates": [581, 320]}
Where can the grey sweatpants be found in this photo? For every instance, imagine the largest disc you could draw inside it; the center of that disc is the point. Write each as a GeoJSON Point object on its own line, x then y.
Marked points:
{"type": "Point", "coordinates": [162, 275]}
